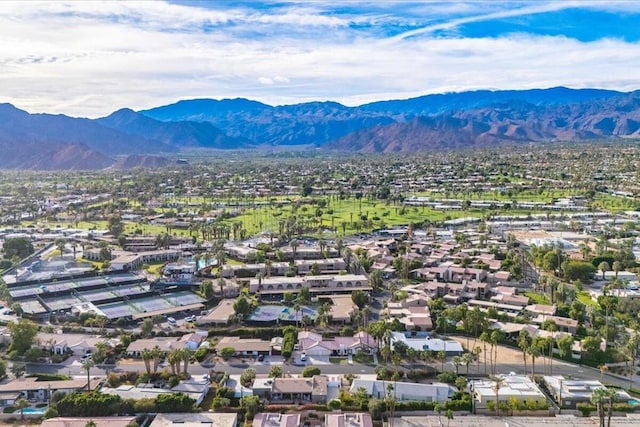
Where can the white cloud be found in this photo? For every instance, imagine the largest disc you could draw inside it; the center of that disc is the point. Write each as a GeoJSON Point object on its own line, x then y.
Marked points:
{"type": "Point", "coordinates": [91, 58]}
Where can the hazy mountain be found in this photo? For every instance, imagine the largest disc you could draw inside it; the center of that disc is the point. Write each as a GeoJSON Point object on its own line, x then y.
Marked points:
{"type": "Point", "coordinates": [320, 123]}
{"type": "Point", "coordinates": [507, 122]}
{"type": "Point", "coordinates": [448, 121]}
{"type": "Point", "coordinates": [299, 124]}
{"type": "Point", "coordinates": [183, 134]}
{"type": "Point", "coordinates": [442, 103]}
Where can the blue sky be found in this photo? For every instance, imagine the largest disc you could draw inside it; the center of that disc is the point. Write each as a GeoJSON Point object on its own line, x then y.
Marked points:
{"type": "Point", "coordinates": [86, 58]}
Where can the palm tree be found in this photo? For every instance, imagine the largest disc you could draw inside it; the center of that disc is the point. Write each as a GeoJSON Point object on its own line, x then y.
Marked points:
{"type": "Point", "coordinates": [294, 247]}
{"type": "Point", "coordinates": [457, 361]}
{"type": "Point", "coordinates": [598, 398]}
{"type": "Point", "coordinates": [604, 267]}
{"type": "Point", "coordinates": [174, 358]}
{"type": "Point", "coordinates": [87, 365]}
{"type": "Point", "coordinates": [524, 342]}
{"type": "Point", "coordinates": [147, 356]}
{"type": "Point", "coordinates": [185, 353]}
{"type": "Point", "coordinates": [616, 267]}
{"type": "Point", "coordinates": [498, 382]}
{"type": "Point", "coordinates": [20, 405]}
{"type": "Point", "coordinates": [467, 359]}
{"type": "Point", "coordinates": [156, 355]}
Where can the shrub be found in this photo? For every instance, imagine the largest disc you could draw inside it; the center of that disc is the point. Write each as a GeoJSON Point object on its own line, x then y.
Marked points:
{"type": "Point", "coordinates": [334, 404]}
{"type": "Point", "coordinates": [448, 377]}
{"type": "Point", "coordinates": [585, 408]}
{"type": "Point", "coordinates": [310, 371]}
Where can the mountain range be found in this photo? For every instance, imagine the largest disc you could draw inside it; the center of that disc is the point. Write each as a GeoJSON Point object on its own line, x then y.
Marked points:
{"type": "Point", "coordinates": [128, 139]}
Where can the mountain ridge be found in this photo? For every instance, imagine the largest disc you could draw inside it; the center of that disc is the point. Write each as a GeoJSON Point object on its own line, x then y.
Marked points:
{"type": "Point", "coordinates": [126, 138]}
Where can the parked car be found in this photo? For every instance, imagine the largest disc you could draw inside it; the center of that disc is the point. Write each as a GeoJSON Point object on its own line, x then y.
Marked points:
{"type": "Point", "coordinates": [172, 321]}
{"type": "Point", "coordinates": [190, 319]}
{"type": "Point", "coordinates": [260, 357]}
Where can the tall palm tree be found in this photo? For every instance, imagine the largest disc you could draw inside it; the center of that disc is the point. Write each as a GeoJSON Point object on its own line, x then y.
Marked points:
{"type": "Point", "coordinates": [174, 358]}
{"type": "Point", "coordinates": [467, 359]}
{"type": "Point", "coordinates": [185, 353]}
{"type": "Point", "coordinates": [87, 365]}
{"type": "Point", "coordinates": [147, 356]}
{"type": "Point", "coordinates": [524, 342]}
{"type": "Point", "coordinates": [498, 381]}
{"type": "Point", "coordinates": [156, 355]}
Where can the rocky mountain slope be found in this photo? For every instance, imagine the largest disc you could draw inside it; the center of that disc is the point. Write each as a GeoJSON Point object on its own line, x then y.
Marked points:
{"type": "Point", "coordinates": [432, 122]}
{"type": "Point", "coordinates": [507, 122]}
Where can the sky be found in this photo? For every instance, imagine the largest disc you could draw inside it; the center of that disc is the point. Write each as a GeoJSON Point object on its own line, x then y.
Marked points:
{"type": "Point", "coordinates": [90, 58]}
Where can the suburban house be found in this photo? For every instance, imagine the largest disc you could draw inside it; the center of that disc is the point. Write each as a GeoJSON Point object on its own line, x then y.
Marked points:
{"type": "Point", "coordinates": [77, 344]}
{"type": "Point", "coordinates": [519, 387]}
{"type": "Point", "coordinates": [195, 389]}
{"type": "Point", "coordinates": [193, 419]}
{"type": "Point", "coordinates": [300, 390]}
{"type": "Point", "coordinates": [563, 324]}
{"type": "Point", "coordinates": [568, 392]}
{"type": "Point", "coordinates": [41, 391]}
{"type": "Point", "coordinates": [268, 419]}
{"type": "Point", "coordinates": [165, 344]}
{"type": "Point", "coordinates": [249, 346]}
{"type": "Point", "coordinates": [315, 345]}
{"type": "Point", "coordinates": [404, 391]}
{"type": "Point", "coordinates": [355, 419]}
{"type": "Point", "coordinates": [413, 313]}
{"type": "Point", "coordinates": [219, 315]}
{"type": "Point", "coordinates": [121, 421]}
{"type": "Point", "coordinates": [342, 307]}
{"type": "Point", "coordinates": [452, 348]}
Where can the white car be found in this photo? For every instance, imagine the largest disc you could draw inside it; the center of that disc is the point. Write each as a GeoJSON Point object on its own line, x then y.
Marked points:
{"type": "Point", "coordinates": [171, 321]}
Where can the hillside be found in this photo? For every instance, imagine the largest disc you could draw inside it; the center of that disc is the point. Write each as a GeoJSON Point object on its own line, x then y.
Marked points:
{"type": "Point", "coordinates": [507, 122]}
{"type": "Point", "coordinates": [432, 122]}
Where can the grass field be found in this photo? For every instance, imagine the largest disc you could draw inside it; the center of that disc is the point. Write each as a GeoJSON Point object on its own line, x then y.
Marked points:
{"type": "Point", "coordinates": [537, 298]}
{"type": "Point", "coordinates": [585, 298]}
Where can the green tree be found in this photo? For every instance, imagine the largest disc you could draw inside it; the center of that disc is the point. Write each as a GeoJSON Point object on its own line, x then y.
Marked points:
{"type": "Point", "coordinates": [147, 327]}
{"type": "Point", "coordinates": [23, 333]}
{"type": "Point", "coordinates": [360, 299]}
{"type": "Point", "coordinates": [227, 352]}
{"type": "Point", "coordinates": [115, 226]}
{"type": "Point", "coordinates": [87, 364]}
{"type": "Point", "coordinates": [20, 247]}
{"type": "Point", "coordinates": [604, 267]}
{"type": "Point", "coordinates": [310, 371]}
{"type": "Point", "coordinates": [275, 371]}
{"type": "Point", "coordinates": [247, 377]}
{"type": "Point", "coordinates": [20, 405]}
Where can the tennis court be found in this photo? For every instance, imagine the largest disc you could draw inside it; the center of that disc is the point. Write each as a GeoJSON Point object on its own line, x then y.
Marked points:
{"type": "Point", "coordinates": [183, 298]}
{"type": "Point", "coordinates": [116, 310]}
{"type": "Point", "coordinates": [62, 303]}
{"type": "Point", "coordinates": [32, 306]}
{"type": "Point", "coordinates": [146, 305]}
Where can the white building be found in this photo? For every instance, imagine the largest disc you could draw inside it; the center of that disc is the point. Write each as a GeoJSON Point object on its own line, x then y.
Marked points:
{"type": "Point", "coordinates": [404, 391]}
{"type": "Point", "coordinates": [452, 348]}
{"type": "Point", "coordinates": [519, 386]}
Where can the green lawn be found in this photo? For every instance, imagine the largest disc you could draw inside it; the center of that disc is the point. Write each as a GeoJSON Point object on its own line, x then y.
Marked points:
{"type": "Point", "coordinates": [537, 298]}
{"type": "Point", "coordinates": [338, 360]}
{"type": "Point", "coordinates": [585, 298]}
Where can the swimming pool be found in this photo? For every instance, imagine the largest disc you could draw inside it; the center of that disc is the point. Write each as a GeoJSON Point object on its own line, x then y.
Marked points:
{"type": "Point", "coordinates": [633, 402]}
{"type": "Point", "coordinates": [34, 410]}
